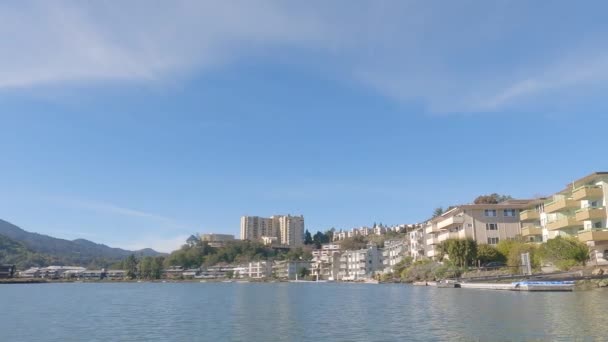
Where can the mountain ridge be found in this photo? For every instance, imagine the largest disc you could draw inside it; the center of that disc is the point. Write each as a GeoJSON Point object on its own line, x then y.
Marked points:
{"type": "Point", "coordinates": [34, 249]}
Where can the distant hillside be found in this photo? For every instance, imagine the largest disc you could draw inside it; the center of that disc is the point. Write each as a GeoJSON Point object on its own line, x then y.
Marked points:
{"type": "Point", "coordinates": [31, 249]}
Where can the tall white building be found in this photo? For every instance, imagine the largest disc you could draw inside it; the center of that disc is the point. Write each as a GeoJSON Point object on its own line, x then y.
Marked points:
{"type": "Point", "coordinates": [360, 264]}
{"type": "Point", "coordinates": [291, 230]}
{"type": "Point", "coordinates": [254, 227]}
{"type": "Point", "coordinates": [393, 252]}
{"type": "Point", "coordinates": [287, 229]}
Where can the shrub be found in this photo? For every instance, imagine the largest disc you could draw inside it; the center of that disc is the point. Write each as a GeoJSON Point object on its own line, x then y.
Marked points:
{"type": "Point", "coordinates": [461, 252]}
{"type": "Point", "coordinates": [517, 248]}
{"type": "Point", "coordinates": [564, 253]}
{"type": "Point", "coordinates": [488, 253]}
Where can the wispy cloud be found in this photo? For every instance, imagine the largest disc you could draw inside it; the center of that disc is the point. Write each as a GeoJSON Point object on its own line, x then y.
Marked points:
{"type": "Point", "coordinates": [112, 209]}
{"type": "Point", "coordinates": [449, 56]}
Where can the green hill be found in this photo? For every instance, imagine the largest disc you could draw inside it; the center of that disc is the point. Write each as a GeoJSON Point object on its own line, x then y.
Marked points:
{"type": "Point", "coordinates": [26, 249]}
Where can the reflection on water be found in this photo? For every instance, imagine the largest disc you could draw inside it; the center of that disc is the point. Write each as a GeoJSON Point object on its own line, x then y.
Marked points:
{"type": "Point", "coordinates": [294, 312]}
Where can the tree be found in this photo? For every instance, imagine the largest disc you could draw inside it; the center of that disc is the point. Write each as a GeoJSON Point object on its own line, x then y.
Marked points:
{"type": "Point", "coordinates": [513, 249]}
{"type": "Point", "coordinates": [488, 253]}
{"type": "Point", "coordinates": [145, 267]}
{"type": "Point", "coordinates": [437, 212]}
{"type": "Point", "coordinates": [192, 241]}
{"type": "Point", "coordinates": [461, 252]}
{"type": "Point", "coordinates": [307, 238]}
{"type": "Point", "coordinates": [156, 271]}
{"type": "Point", "coordinates": [564, 252]}
{"type": "Point", "coordinates": [492, 199]}
{"type": "Point", "coordinates": [353, 243]}
{"type": "Point", "coordinates": [303, 272]}
{"type": "Point", "coordinates": [130, 266]}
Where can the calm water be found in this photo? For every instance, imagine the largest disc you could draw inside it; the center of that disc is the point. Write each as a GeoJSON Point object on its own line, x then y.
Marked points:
{"type": "Point", "coordinates": [294, 312]}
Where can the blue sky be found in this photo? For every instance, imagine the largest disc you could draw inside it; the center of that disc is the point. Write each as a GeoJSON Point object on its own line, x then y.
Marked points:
{"type": "Point", "coordinates": [137, 125]}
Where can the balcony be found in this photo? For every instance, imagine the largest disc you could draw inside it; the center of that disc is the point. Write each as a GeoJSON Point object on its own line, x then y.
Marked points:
{"type": "Point", "coordinates": [449, 222]}
{"type": "Point", "coordinates": [563, 223]}
{"type": "Point", "coordinates": [591, 214]}
{"type": "Point", "coordinates": [432, 241]}
{"type": "Point", "coordinates": [445, 236]}
{"type": "Point", "coordinates": [531, 231]}
{"type": "Point", "coordinates": [561, 205]}
{"type": "Point", "coordinates": [432, 228]}
{"type": "Point", "coordinates": [587, 192]}
{"type": "Point", "coordinates": [593, 235]}
{"type": "Point", "coordinates": [529, 215]}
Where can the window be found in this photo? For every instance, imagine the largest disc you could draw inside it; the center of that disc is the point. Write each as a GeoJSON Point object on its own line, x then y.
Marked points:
{"type": "Point", "coordinates": [491, 226]}
{"type": "Point", "coordinates": [490, 213]}
{"type": "Point", "coordinates": [597, 224]}
{"type": "Point", "coordinates": [509, 213]}
{"type": "Point", "coordinates": [470, 225]}
{"type": "Point", "coordinates": [593, 204]}
{"type": "Point", "coordinates": [492, 240]}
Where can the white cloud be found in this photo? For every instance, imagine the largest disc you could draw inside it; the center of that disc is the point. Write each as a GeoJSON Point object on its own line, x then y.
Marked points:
{"type": "Point", "coordinates": [450, 56]}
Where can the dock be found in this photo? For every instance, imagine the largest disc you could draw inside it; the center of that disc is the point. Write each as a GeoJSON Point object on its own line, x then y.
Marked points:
{"type": "Point", "coordinates": [532, 286]}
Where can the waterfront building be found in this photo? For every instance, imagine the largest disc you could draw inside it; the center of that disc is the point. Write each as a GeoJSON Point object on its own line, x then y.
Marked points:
{"type": "Point", "coordinates": [484, 223]}
{"type": "Point", "coordinates": [360, 264]}
{"type": "Point", "coordinates": [32, 272]}
{"type": "Point", "coordinates": [326, 262]}
{"type": "Point", "coordinates": [416, 243]}
{"type": "Point", "coordinates": [116, 274]}
{"type": "Point", "coordinates": [531, 227]}
{"type": "Point", "coordinates": [259, 270]}
{"type": "Point", "coordinates": [56, 272]}
{"type": "Point", "coordinates": [7, 271]}
{"type": "Point", "coordinates": [285, 269]}
{"type": "Point", "coordinates": [216, 240]}
{"type": "Point", "coordinates": [393, 252]}
{"type": "Point", "coordinates": [580, 210]}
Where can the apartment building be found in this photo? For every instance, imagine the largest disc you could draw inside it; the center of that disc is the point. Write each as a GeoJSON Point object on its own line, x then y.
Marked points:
{"type": "Point", "coordinates": [259, 270]}
{"type": "Point", "coordinates": [254, 227]}
{"type": "Point", "coordinates": [531, 228]}
{"type": "Point", "coordinates": [288, 230]}
{"type": "Point", "coordinates": [291, 230]}
{"type": "Point", "coordinates": [580, 210]}
{"type": "Point", "coordinates": [360, 264]}
{"type": "Point", "coordinates": [289, 269]}
{"type": "Point", "coordinates": [393, 252]}
{"type": "Point", "coordinates": [326, 262]}
{"type": "Point", "coordinates": [484, 223]}
{"type": "Point", "coordinates": [417, 243]}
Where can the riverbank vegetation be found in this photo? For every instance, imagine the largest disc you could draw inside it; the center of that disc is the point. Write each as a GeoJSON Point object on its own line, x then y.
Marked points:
{"type": "Point", "coordinates": [457, 257]}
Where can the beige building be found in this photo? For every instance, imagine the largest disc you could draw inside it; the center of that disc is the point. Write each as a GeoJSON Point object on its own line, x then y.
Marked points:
{"type": "Point", "coordinates": [360, 264]}
{"type": "Point", "coordinates": [291, 230]}
{"type": "Point", "coordinates": [484, 223]}
{"type": "Point", "coordinates": [393, 252]}
{"type": "Point", "coordinates": [531, 228]}
{"type": "Point", "coordinates": [326, 262]}
{"type": "Point", "coordinates": [287, 229]}
{"type": "Point", "coordinates": [254, 227]}
{"type": "Point", "coordinates": [579, 211]}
